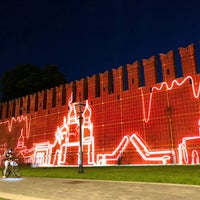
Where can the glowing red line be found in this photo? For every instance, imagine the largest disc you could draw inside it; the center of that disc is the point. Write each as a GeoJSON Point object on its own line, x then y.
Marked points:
{"type": "Point", "coordinates": [19, 119]}
{"type": "Point", "coordinates": [195, 93]}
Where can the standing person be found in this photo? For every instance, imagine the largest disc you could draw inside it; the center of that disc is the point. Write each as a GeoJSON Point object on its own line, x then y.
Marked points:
{"type": "Point", "coordinates": [8, 157]}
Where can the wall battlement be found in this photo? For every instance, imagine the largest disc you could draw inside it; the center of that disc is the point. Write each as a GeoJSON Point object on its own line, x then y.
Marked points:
{"type": "Point", "coordinates": [123, 79]}
{"type": "Point", "coordinates": [143, 113]}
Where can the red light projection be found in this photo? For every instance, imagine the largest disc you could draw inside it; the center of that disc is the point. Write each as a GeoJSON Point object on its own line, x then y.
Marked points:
{"type": "Point", "coordinates": [196, 93]}
{"type": "Point", "coordinates": [164, 157]}
{"type": "Point", "coordinates": [189, 149]}
{"type": "Point", "coordinates": [66, 138]}
{"type": "Point", "coordinates": [135, 146]}
{"type": "Point", "coordinates": [41, 153]}
{"type": "Point", "coordinates": [18, 119]}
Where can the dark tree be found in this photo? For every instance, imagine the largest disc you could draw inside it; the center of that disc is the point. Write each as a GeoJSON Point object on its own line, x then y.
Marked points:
{"type": "Point", "coordinates": [52, 77]}
{"type": "Point", "coordinates": [28, 79]}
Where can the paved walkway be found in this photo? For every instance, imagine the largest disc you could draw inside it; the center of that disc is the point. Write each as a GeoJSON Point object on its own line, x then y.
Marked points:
{"type": "Point", "coordinates": [58, 188]}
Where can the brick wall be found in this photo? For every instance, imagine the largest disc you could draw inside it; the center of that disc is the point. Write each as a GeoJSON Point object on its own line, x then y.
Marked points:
{"type": "Point", "coordinates": [130, 123]}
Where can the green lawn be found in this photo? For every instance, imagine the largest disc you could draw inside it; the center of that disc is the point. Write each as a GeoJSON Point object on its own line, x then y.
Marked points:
{"type": "Point", "coordinates": [187, 174]}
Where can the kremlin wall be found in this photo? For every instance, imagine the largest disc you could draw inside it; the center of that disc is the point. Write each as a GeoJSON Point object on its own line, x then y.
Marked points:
{"type": "Point", "coordinates": [129, 118]}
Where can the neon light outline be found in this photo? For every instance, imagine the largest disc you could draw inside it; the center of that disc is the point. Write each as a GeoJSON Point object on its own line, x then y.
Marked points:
{"type": "Point", "coordinates": [141, 148]}
{"type": "Point", "coordinates": [40, 154]}
{"type": "Point", "coordinates": [102, 159]}
{"type": "Point", "coordinates": [183, 150]}
{"type": "Point", "coordinates": [196, 94]}
{"type": "Point", "coordinates": [148, 155]}
{"type": "Point", "coordinates": [20, 119]}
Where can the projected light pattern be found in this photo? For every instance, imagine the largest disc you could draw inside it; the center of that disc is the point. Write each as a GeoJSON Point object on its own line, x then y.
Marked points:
{"type": "Point", "coordinates": [196, 93]}
{"type": "Point", "coordinates": [63, 150]}
{"type": "Point", "coordinates": [189, 149]}
{"type": "Point", "coordinates": [3, 148]}
{"type": "Point", "coordinates": [19, 119]}
{"type": "Point", "coordinates": [66, 137]}
{"type": "Point", "coordinates": [103, 159]}
{"type": "Point", "coordinates": [164, 157]}
{"type": "Point", "coordinates": [41, 153]}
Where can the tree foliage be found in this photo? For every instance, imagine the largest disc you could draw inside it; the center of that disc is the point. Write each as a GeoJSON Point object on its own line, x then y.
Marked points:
{"type": "Point", "coordinates": [28, 79]}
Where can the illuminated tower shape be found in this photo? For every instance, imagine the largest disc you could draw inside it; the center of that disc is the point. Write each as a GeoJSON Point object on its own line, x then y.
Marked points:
{"type": "Point", "coordinates": [88, 139]}
{"type": "Point", "coordinates": [87, 124]}
{"type": "Point", "coordinates": [58, 148]}
{"type": "Point", "coordinates": [72, 123]}
{"type": "Point", "coordinates": [20, 143]}
{"type": "Point", "coordinates": [72, 118]}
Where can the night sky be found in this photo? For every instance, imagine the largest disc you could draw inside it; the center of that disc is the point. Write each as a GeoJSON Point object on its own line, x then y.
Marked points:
{"type": "Point", "coordinates": [85, 37]}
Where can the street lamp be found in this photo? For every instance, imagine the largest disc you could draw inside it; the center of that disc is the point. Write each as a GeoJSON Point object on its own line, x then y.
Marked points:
{"type": "Point", "coordinates": [80, 107]}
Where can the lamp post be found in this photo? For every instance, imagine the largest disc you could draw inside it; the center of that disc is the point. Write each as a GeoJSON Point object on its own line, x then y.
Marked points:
{"type": "Point", "coordinates": [79, 110]}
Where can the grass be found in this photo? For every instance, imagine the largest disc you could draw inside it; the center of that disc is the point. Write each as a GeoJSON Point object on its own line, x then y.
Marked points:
{"type": "Point", "coordinates": [187, 174]}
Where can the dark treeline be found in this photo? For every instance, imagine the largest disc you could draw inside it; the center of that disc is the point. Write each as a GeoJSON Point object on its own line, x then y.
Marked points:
{"type": "Point", "coordinates": [27, 79]}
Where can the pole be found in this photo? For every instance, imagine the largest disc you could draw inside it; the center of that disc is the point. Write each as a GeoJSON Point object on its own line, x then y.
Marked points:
{"type": "Point", "coordinates": [81, 171]}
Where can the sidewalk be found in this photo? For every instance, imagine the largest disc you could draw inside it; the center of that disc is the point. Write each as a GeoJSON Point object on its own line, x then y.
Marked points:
{"type": "Point", "coordinates": [81, 189]}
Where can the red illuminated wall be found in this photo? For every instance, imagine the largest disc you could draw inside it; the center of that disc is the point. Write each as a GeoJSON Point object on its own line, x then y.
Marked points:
{"type": "Point", "coordinates": [128, 118]}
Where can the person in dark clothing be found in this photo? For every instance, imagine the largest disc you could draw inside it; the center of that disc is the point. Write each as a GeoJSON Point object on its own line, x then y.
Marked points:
{"type": "Point", "coordinates": [8, 157]}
